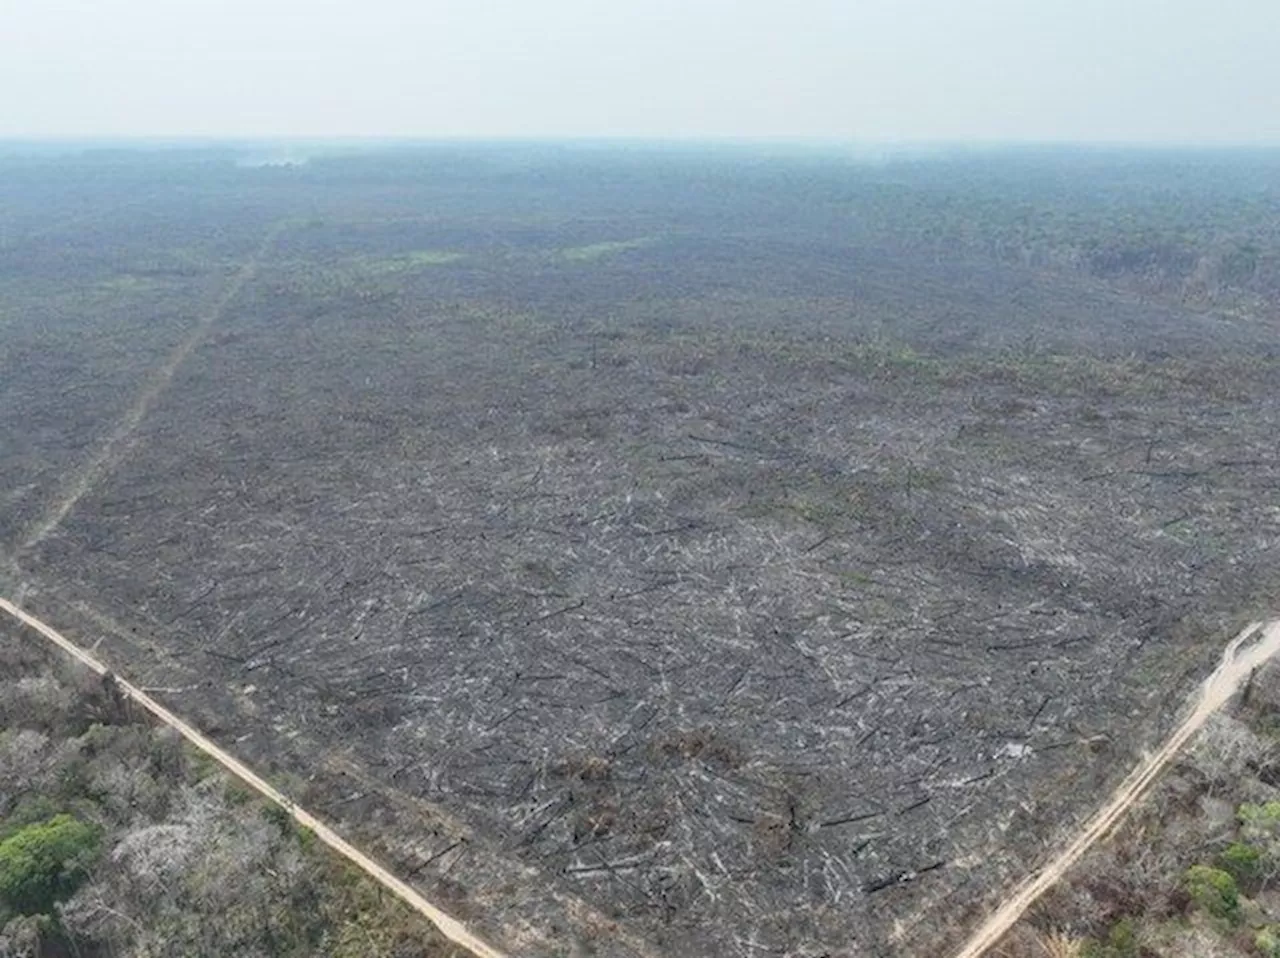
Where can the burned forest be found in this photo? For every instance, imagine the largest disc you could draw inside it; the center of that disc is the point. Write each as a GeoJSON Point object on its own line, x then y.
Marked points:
{"type": "Point", "coordinates": [654, 552]}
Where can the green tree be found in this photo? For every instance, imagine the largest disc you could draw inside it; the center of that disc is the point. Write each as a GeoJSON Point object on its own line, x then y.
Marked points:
{"type": "Point", "coordinates": [45, 863]}
{"type": "Point", "coordinates": [1242, 861]}
{"type": "Point", "coordinates": [1213, 890]}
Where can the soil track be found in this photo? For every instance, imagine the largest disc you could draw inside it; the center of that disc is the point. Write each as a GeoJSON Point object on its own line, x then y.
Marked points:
{"type": "Point", "coordinates": [1239, 660]}
{"type": "Point", "coordinates": [448, 926]}
{"type": "Point", "coordinates": [119, 442]}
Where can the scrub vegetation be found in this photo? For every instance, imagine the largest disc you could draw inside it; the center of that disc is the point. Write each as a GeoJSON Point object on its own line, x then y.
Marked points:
{"type": "Point", "coordinates": [116, 840]}
{"type": "Point", "coordinates": [1195, 870]}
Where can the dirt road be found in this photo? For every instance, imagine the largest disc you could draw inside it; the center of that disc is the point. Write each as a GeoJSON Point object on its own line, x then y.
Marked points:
{"type": "Point", "coordinates": [1248, 651]}
{"type": "Point", "coordinates": [121, 439]}
{"type": "Point", "coordinates": [450, 927]}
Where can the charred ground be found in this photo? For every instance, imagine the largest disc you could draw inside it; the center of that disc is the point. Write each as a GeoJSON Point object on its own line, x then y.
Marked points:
{"type": "Point", "coordinates": [665, 553]}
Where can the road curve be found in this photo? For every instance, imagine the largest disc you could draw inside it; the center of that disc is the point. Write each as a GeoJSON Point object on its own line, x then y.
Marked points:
{"type": "Point", "coordinates": [1248, 651]}
{"type": "Point", "coordinates": [450, 927]}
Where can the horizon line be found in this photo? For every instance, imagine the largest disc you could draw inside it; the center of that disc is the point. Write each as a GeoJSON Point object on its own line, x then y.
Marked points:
{"type": "Point", "coordinates": [630, 139]}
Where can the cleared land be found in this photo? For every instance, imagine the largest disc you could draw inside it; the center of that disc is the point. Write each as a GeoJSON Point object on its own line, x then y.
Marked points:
{"type": "Point", "coordinates": [667, 556]}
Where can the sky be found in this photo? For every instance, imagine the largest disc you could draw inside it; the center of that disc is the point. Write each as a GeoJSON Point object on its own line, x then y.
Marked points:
{"type": "Point", "coordinates": [873, 71]}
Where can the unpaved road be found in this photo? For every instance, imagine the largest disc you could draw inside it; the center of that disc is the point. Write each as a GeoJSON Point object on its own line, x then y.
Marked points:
{"type": "Point", "coordinates": [117, 444]}
{"type": "Point", "coordinates": [450, 927]}
{"type": "Point", "coordinates": [1247, 652]}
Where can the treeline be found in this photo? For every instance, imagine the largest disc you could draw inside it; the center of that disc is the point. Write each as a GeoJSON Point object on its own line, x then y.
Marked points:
{"type": "Point", "coordinates": [1195, 227]}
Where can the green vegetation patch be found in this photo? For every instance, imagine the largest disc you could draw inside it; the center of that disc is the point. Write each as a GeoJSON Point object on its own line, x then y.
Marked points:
{"type": "Point", "coordinates": [44, 863]}
{"type": "Point", "coordinates": [596, 251]}
{"type": "Point", "coordinates": [1214, 891]}
{"type": "Point", "coordinates": [405, 262]}
{"type": "Point", "coordinates": [1244, 862]}
{"type": "Point", "coordinates": [1267, 941]}
{"type": "Point", "coordinates": [131, 283]}
{"type": "Point", "coordinates": [1121, 942]}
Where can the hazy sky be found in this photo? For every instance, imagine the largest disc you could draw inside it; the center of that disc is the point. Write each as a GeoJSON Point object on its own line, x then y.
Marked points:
{"type": "Point", "coordinates": [1114, 70]}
